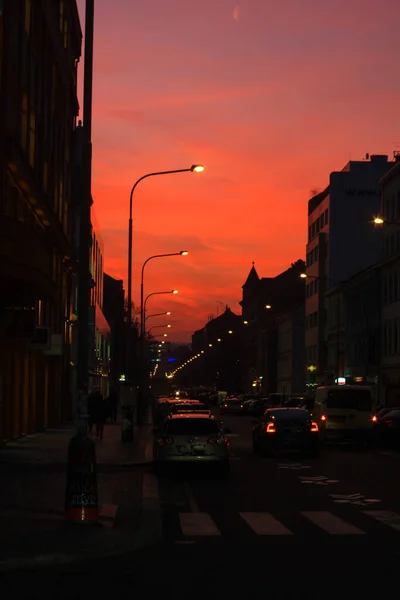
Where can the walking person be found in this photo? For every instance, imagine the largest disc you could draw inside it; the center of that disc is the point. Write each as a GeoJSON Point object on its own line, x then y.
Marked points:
{"type": "Point", "coordinates": [99, 414]}
{"type": "Point", "coordinates": [113, 403]}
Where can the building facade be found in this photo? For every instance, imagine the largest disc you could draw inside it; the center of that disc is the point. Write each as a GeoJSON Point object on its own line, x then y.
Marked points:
{"type": "Point", "coordinates": [291, 352]}
{"type": "Point", "coordinates": [264, 301]}
{"type": "Point", "coordinates": [390, 287]}
{"type": "Point", "coordinates": [362, 320]}
{"type": "Point", "coordinates": [341, 243]}
{"type": "Point", "coordinates": [40, 45]}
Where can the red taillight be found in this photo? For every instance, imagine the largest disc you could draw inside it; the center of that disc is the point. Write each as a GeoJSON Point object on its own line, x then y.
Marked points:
{"type": "Point", "coordinates": [314, 426]}
{"type": "Point", "coordinates": [374, 419]}
{"type": "Point", "coordinates": [270, 428]}
{"type": "Point", "coordinates": [323, 418]}
{"type": "Point", "coordinates": [164, 441]}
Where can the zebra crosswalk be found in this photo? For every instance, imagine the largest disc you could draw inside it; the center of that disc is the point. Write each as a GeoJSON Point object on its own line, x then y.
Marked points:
{"type": "Point", "coordinates": [265, 524]}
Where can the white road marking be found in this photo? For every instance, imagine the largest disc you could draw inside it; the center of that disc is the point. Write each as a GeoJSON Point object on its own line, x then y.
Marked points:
{"type": "Point", "coordinates": [387, 517]}
{"type": "Point", "coordinates": [198, 524]}
{"type": "Point", "coordinates": [263, 523]}
{"type": "Point", "coordinates": [331, 523]}
{"type": "Point", "coordinates": [347, 496]}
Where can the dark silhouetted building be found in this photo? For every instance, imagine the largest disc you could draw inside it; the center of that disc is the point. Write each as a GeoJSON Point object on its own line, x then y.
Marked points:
{"type": "Point", "coordinates": [217, 348]}
{"type": "Point", "coordinates": [265, 300]}
{"type": "Point", "coordinates": [113, 308]}
{"type": "Point", "coordinates": [40, 45]}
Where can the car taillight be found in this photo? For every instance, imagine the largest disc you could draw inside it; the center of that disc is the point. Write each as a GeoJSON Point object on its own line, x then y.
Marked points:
{"type": "Point", "coordinates": [323, 418]}
{"type": "Point", "coordinates": [374, 419]}
{"type": "Point", "coordinates": [270, 428]}
{"type": "Point", "coordinates": [314, 426]}
{"type": "Point", "coordinates": [163, 441]}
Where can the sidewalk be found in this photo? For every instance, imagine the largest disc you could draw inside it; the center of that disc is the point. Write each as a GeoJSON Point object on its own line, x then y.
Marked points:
{"type": "Point", "coordinates": [50, 447]}
{"type": "Point", "coordinates": [32, 491]}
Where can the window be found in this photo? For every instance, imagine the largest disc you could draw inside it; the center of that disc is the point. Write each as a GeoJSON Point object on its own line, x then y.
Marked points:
{"type": "Point", "coordinates": [65, 34]}
{"type": "Point", "coordinates": [28, 16]}
{"type": "Point", "coordinates": [326, 217]}
{"type": "Point", "coordinates": [395, 338]}
{"type": "Point", "coordinates": [32, 137]}
{"type": "Point", "coordinates": [322, 218]}
{"type": "Point", "coordinates": [349, 399]}
{"type": "Point", "coordinates": [24, 120]}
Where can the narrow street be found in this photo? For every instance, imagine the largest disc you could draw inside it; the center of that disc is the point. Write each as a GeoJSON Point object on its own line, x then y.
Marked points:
{"type": "Point", "coordinates": [321, 527]}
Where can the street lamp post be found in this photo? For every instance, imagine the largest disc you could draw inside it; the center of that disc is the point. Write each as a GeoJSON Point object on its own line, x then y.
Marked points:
{"type": "Point", "coordinates": [145, 304]}
{"type": "Point", "coordinates": [338, 286]}
{"type": "Point", "coordinates": [193, 169]}
{"type": "Point", "coordinates": [158, 315]}
{"type": "Point", "coordinates": [142, 320]}
{"type": "Point", "coordinates": [156, 326]}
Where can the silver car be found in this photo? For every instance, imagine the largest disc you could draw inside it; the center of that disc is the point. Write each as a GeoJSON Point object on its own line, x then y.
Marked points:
{"type": "Point", "coordinates": [192, 438]}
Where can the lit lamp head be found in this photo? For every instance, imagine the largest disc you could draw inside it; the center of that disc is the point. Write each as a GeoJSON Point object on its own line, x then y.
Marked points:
{"type": "Point", "coordinates": [174, 291]}
{"type": "Point", "coordinates": [183, 252]}
{"type": "Point", "coordinates": [197, 168]}
{"type": "Point", "coordinates": [378, 221]}
{"type": "Point", "coordinates": [303, 275]}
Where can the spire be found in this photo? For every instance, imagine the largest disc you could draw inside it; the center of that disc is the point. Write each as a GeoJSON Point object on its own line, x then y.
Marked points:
{"type": "Point", "coordinates": [252, 277]}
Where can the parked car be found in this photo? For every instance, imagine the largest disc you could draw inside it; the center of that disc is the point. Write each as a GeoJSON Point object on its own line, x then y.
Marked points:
{"type": "Point", "coordinates": [286, 429]}
{"type": "Point", "coordinates": [387, 427]}
{"type": "Point", "coordinates": [231, 406]}
{"type": "Point", "coordinates": [192, 438]}
{"type": "Point", "coordinates": [345, 413]}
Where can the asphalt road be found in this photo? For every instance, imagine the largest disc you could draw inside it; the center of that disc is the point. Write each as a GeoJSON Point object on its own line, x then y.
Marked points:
{"type": "Point", "coordinates": [277, 527]}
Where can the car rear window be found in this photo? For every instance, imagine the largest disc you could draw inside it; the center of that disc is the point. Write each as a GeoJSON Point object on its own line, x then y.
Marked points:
{"type": "Point", "coordinates": [282, 414]}
{"type": "Point", "coordinates": [350, 399]}
{"type": "Point", "coordinates": [191, 427]}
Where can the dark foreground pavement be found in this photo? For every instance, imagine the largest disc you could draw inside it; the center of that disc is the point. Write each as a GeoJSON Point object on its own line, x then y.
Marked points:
{"type": "Point", "coordinates": [284, 528]}
{"type": "Point", "coordinates": [274, 569]}
{"type": "Point", "coordinates": [33, 528]}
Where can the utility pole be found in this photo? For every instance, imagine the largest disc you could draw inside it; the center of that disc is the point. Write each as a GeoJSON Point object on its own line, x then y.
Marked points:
{"type": "Point", "coordinates": [85, 203]}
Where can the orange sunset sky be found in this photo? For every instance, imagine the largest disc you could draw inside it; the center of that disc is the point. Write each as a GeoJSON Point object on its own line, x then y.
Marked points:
{"type": "Point", "coordinates": [270, 96]}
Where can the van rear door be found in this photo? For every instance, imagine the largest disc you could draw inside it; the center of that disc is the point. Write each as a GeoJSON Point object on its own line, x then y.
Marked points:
{"type": "Point", "coordinates": [349, 408]}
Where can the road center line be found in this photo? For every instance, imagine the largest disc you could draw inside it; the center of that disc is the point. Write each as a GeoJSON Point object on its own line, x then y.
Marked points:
{"type": "Point", "coordinates": [194, 507]}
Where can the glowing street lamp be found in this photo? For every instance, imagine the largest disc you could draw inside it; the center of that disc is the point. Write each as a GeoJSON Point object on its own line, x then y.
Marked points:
{"type": "Point", "coordinates": [142, 311]}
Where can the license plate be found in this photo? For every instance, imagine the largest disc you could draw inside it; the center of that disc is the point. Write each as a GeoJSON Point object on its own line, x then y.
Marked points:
{"type": "Point", "coordinates": [335, 435]}
{"type": "Point", "coordinates": [198, 449]}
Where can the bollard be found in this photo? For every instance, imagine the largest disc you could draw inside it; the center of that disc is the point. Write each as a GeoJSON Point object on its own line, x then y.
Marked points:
{"type": "Point", "coordinates": [81, 499]}
{"type": "Point", "coordinates": [127, 425]}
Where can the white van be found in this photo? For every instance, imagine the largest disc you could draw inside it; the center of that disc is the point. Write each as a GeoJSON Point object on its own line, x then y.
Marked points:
{"type": "Point", "coordinates": [344, 412]}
